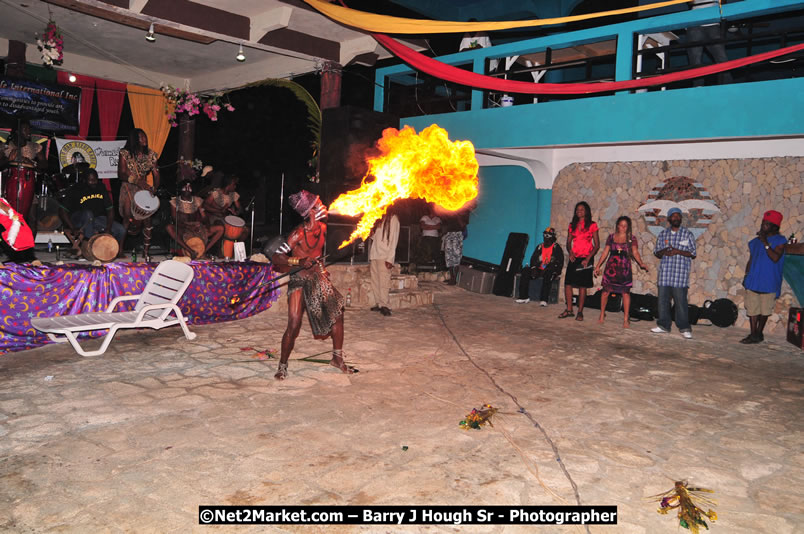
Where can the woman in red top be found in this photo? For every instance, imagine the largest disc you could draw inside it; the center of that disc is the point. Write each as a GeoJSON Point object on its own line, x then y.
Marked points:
{"type": "Point", "coordinates": [583, 243]}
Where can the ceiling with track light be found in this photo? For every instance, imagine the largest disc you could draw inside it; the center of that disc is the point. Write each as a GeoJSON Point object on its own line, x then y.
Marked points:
{"type": "Point", "coordinates": [196, 42]}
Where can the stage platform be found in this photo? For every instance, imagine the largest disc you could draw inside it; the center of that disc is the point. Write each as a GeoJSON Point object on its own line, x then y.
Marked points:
{"type": "Point", "coordinates": [52, 289]}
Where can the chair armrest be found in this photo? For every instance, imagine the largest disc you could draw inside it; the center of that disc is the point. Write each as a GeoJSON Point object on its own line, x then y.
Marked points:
{"type": "Point", "coordinates": [118, 300]}
{"type": "Point", "coordinates": [153, 307]}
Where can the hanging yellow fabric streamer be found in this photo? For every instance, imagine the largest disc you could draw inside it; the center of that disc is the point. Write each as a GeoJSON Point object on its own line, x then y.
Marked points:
{"type": "Point", "coordinates": [387, 24]}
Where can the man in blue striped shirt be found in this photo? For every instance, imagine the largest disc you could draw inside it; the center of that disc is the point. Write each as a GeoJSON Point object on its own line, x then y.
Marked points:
{"type": "Point", "coordinates": [676, 248]}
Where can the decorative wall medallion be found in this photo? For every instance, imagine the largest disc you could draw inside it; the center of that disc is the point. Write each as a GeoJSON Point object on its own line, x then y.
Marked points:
{"type": "Point", "coordinates": [690, 197]}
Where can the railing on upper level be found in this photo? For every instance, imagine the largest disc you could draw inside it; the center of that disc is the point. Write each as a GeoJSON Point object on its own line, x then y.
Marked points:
{"type": "Point", "coordinates": [636, 49]}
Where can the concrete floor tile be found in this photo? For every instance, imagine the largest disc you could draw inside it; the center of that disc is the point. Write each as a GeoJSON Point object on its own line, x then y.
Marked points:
{"type": "Point", "coordinates": [136, 439]}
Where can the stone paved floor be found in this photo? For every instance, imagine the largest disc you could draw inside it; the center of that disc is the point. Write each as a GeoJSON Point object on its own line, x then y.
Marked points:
{"type": "Point", "coordinates": [135, 440]}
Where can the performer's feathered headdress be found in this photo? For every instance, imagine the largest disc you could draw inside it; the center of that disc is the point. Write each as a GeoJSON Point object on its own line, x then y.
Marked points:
{"type": "Point", "coordinates": [303, 201]}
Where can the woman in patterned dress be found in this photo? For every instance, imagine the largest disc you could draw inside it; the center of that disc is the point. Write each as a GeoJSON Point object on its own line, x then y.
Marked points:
{"type": "Point", "coordinates": [453, 243]}
{"type": "Point", "coordinates": [621, 248]}
{"type": "Point", "coordinates": [136, 162]}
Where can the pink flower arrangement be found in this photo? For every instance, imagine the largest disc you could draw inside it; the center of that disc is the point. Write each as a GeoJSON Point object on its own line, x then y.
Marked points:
{"type": "Point", "coordinates": [184, 101]}
{"type": "Point", "coordinates": [51, 45]}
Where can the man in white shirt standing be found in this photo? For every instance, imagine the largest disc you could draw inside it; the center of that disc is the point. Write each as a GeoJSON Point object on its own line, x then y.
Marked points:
{"type": "Point", "coordinates": [381, 257]}
{"type": "Point", "coordinates": [431, 237]}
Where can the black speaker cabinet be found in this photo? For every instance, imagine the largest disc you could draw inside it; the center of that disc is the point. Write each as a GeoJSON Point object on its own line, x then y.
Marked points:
{"type": "Point", "coordinates": [348, 136]}
{"type": "Point", "coordinates": [337, 233]}
{"type": "Point", "coordinates": [510, 264]}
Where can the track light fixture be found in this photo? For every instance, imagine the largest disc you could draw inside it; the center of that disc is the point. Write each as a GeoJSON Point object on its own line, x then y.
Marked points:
{"type": "Point", "coordinates": [240, 55]}
{"type": "Point", "coordinates": [150, 35]}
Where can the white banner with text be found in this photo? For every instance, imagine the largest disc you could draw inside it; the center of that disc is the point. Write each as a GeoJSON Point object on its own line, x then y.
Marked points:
{"type": "Point", "coordinates": [100, 155]}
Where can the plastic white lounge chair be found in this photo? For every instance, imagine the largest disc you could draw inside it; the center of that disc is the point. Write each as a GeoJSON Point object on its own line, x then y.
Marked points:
{"type": "Point", "coordinates": [154, 306]}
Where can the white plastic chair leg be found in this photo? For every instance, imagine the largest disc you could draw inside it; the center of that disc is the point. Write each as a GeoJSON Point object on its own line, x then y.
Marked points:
{"type": "Point", "coordinates": [183, 323]}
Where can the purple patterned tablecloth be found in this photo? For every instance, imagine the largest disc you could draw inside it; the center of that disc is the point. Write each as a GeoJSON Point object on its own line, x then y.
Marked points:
{"type": "Point", "coordinates": [50, 290]}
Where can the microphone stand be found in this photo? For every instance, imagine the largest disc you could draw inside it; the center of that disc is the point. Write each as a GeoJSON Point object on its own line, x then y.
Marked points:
{"type": "Point", "coordinates": [20, 181]}
{"type": "Point", "coordinates": [250, 206]}
{"type": "Point", "coordinates": [281, 202]}
{"type": "Point", "coordinates": [178, 237]}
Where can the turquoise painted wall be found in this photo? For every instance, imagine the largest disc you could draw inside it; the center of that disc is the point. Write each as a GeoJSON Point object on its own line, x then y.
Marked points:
{"type": "Point", "coordinates": [767, 108]}
{"type": "Point", "coordinates": [507, 203]}
{"type": "Point", "coordinates": [508, 196]}
{"type": "Point", "coordinates": [726, 111]}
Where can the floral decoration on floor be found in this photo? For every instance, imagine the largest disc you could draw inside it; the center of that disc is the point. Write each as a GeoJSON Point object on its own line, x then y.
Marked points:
{"type": "Point", "coordinates": [262, 354]}
{"type": "Point", "coordinates": [689, 502]}
{"type": "Point", "coordinates": [478, 417]}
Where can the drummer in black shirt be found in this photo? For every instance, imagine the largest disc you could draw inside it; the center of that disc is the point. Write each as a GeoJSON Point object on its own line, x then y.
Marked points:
{"type": "Point", "coordinates": [87, 208]}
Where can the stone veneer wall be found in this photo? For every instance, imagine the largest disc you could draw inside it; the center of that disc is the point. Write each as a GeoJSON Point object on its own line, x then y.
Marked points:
{"type": "Point", "coordinates": [357, 280]}
{"type": "Point", "coordinates": [743, 189]}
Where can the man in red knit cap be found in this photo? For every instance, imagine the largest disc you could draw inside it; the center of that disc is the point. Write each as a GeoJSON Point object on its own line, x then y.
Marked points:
{"type": "Point", "coordinates": [763, 274]}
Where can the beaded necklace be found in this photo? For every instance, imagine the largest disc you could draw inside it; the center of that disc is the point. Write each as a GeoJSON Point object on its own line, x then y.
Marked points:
{"type": "Point", "coordinates": [317, 236]}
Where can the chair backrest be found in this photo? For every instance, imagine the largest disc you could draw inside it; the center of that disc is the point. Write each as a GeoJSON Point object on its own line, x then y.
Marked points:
{"type": "Point", "coordinates": [167, 285]}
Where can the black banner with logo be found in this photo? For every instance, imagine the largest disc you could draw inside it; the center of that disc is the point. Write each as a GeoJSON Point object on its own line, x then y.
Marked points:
{"type": "Point", "coordinates": [49, 107]}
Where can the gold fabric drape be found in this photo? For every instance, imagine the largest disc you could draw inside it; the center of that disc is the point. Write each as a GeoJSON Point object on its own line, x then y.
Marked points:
{"type": "Point", "coordinates": [148, 110]}
{"type": "Point", "coordinates": [387, 24]}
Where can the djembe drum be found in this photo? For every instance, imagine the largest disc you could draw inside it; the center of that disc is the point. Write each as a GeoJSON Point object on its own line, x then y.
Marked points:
{"type": "Point", "coordinates": [234, 228]}
{"type": "Point", "coordinates": [145, 204]}
{"type": "Point", "coordinates": [198, 246]}
{"type": "Point", "coordinates": [103, 247]}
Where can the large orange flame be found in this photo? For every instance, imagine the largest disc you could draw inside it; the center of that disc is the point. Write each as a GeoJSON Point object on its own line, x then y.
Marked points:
{"type": "Point", "coordinates": [426, 165]}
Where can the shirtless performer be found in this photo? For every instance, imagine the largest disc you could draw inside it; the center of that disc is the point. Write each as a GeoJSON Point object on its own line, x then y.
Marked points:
{"type": "Point", "coordinates": [310, 287]}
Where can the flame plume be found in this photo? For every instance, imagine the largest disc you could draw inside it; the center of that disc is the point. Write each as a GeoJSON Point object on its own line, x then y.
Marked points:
{"type": "Point", "coordinates": [427, 166]}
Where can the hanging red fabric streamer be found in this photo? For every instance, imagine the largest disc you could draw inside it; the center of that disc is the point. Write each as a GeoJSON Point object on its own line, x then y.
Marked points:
{"type": "Point", "coordinates": [454, 74]}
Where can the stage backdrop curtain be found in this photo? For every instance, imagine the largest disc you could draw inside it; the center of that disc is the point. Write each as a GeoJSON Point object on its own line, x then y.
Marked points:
{"type": "Point", "coordinates": [148, 108]}
{"type": "Point", "coordinates": [472, 79]}
{"type": "Point", "coordinates": [387, 24]}
{"type": "Point", "coordinates": [27, 291]}
{"type": "Point", "coordinates": [87, 85]}
{"type": "Point", "coordinates": [110, 104]}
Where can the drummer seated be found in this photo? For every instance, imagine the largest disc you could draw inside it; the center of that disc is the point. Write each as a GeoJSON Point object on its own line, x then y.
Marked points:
{"type": "Point", "coordinates": [188, 216]}
{"type": "Point", "coordinates": [87, 209]}
{"type": "Point", "coordinates": [223, 200]}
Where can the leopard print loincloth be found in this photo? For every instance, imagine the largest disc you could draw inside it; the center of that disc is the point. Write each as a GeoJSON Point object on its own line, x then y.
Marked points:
{"type": "Point", "coordinates": [323, 302]}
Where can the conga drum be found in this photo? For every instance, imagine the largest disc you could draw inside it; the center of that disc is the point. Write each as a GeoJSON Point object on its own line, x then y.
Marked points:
{"type": "Point", "coordinates": [103, 247]}
{"type": "Point", "coordinates": [198, 246]}
{"type": "Point", "coordinates": [20, 184]}
{"type": "Point", "coordinates": [233, 230]}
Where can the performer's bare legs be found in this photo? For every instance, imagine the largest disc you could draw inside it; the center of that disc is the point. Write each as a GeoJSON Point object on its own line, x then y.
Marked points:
{"type": "Point", "coordinates": [215, 233]}
{"type": "Point", "coordinates": [295, 313]}
{"type": "Point", "coordinates": [337, 347]}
